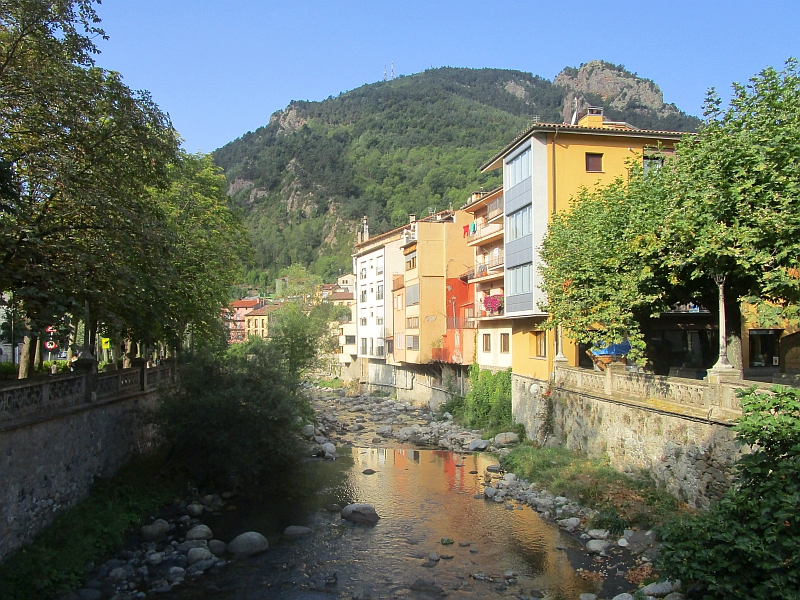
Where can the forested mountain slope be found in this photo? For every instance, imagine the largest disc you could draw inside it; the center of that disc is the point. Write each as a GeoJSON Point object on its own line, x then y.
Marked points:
{"type": "Point", "coordinates": [392, 148]}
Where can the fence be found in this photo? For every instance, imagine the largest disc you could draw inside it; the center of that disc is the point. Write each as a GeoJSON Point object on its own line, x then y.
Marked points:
{"type": "Point", "coordinates": [40, 396]}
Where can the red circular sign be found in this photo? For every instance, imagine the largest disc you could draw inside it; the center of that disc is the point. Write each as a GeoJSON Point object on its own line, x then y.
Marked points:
{"type": "Point", "coordinates": [51, 329]}
{"type": "Point", "coordinates": [50, 345]}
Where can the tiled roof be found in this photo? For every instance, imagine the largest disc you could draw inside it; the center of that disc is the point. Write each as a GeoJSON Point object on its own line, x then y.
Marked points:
{"type": "Point", "coordinates": [340, 296]}
{"type": "Point", "coordinates": [264, 310]}
{"type": "Point", "coordinates": [245, 303]}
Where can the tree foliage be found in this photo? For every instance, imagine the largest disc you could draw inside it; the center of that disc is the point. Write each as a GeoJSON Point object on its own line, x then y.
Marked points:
{"type": "Point", "coordinates": [747, 545]}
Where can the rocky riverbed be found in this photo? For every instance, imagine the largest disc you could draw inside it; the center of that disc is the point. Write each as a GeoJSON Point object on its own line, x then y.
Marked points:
{"type": "Point", "coordinates": [447, 521]}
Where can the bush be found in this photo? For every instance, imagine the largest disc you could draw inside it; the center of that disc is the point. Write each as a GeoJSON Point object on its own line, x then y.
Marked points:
{"type": "Point", "coordinates": [8, 370]}
{"type": "Point", "coordinates": [748, 544]}
{"type": "Point", "coordinates": [488, 401]}
{"type": "Point", "coordinates": [233, 420]}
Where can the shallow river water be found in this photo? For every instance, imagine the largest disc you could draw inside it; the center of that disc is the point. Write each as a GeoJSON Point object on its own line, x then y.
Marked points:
{"type": "Point", "coordinates": [422, 496]}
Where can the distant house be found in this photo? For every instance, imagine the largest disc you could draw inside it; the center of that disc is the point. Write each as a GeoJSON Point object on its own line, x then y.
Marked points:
{"type": "Point", "coordinates": [257, 322]}
{"type": "Point", "coordinates": [235, 318]}
{"type": "Point", "coordinates": [341, 298]}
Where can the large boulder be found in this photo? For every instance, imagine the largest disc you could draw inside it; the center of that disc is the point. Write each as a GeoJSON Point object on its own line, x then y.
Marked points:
{"type": "Point", "coordinates": [156, 531]}
{"type": "Point", "coordinates": [297, 531]}
{"type": "Point", "coordinates": [478, 445]}
{"type": "Point", "coordinates": [307, 431]}
{"type": "Point", "coordinates": [195, 509]}
{"type": "Point", "coordinates": [506, 439]}
{"type": "Point", "coordinates": [662, 588]}
{"type": "Point", "coordinates": [199, 532]}
{"type": "Point", "coordinates": [248, 544]}
{"type": "Point", "coordinates": [363, 514]}
{"type": "Point", "coordinates": [195, 555]}
{"type": "Point", "coordinates": [597, 546]}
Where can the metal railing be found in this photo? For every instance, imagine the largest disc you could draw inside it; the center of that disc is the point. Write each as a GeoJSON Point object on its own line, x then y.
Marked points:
{"type": "Point", "coordinates": [480, 230]}
{"type": "Point", "coordinates": [490, 261]}
{"type": "Point", "coordinates": [495, 208]}
{"type": "Point", "coordinates": [460, 323]}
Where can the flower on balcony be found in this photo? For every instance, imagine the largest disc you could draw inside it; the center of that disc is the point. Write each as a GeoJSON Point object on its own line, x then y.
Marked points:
{"type": "Point", "coordinates": [493, 304]}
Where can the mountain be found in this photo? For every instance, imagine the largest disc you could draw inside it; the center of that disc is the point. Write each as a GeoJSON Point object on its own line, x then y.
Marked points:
{"type": "Point", "coordinates": [393, 148]}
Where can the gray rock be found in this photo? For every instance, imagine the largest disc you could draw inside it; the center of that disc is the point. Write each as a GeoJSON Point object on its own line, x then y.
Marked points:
{"type": "Point", "coordinates": [154, 559]}
{"type": "Point", "coordinates": [156, 531]}
{"type": "Point", "coordinates": [384, 430]}
{"type": "Point", "coordinates": [329, 449]}
{"type": "Point", "coordinates": [675, 596]}
{"type": "Point", "coordinates": [118, 574]}
{"type": "Point", "coordinates": [248, 544]}
{"type": "Point", "coordinates": [587, 597]}
{"type": "Point", "coordinates": [297, 531]}
{"type": "Point", "coordinates": [597, 546]}
{"type": "Point", "coordinates": [360, 513]}
{"type": "Point", "coordinates": [217, 547]}
{"type": "Point", "coordinates": [194, 510]}
{"type": "Point", "coordinates": [625, 596]}
{"type": "Point", "coordinates": [89, 594]}
{"type": "Point", "coordinates": [175, 573]}
{"type": "Point", "coordinates": [307, 431]}
{"type": "Point", "coordinates": [622, 542]}
{"type": "Point", "coordinates": [186, 546]}
{"type": "Point", "coordinates": [570, 523]}
{"type": "Point", "coordinates": [662, 588]}
{"type": "Point", "coordinates": [598, 534]}
{"type": "Point", "coordinates": [426, 586]}
{"type": "Point", "coordinates": [489, 492]}
{"type": "Point", "coordinates": [199, 532]}
{"type": "Point", "coordinates": [494, 468]}
{"type": "Point", "coordinates": [201, 566]}
{"type": "Point", "coordinates": [509, 477]}
{"type": "Point", "coordinates": [502, 440]}
{"type": "Point", "coordinates": [195, 555]}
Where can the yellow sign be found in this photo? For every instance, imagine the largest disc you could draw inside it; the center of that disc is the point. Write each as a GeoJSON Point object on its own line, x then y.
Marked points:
{"type": "Point", "coordinates": [106, 343]}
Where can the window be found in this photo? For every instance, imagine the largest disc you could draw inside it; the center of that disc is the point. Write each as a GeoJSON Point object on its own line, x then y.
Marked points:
{"type": "Point", "coordinates": [372, 346]}
{"type": "Point", "coordinates": [412, 342]}
{"type": "Point", "coordinates": [379, 267]}
{"type": "Point", "coordinates": [363, 345]}
{"type": "Point", "coordinates": [505, 343]}
{"type": "Point", "coordinates": [362, 321]}
{"type": "Point", "coordinates": [519, 224]}
{"type": "Point", "coordinates": [380, 292]}
{"type": "Point", "coordinates": [363, 271]}
{"type": "Point", "coordinates": [411, 261]}
{"type": "Point", "coordinates": [518, 169]}
{"type": "Point", "coordinates": [401, 340]}
{"type": "Point", "coordinates": [594, 163]}
{"type": "Point", "coordinates": [398, 302]}
{"type": "Point", "coordinates": [364, 294]}
{"type": "Point", "coordinates": [379, 321]}
{"type": "Point", "coordinates": [487, 342]}
{"type": "Point", "coordinates": [521, 279]}
{"type": "Point", "coordinates": [370, 265]}
{"type": "Point", "coordinates": [379, 348]}
{"type": "Point", "coordinates": [538, 344]}
{"type": "Point", "coordinates": [349, 339]}
{"type": "Point", "coordinates": [412, 322]}
{"type": "Point", "coordinates": [412, 295]}
{"type": "Point", "coordinates": [389, 346]}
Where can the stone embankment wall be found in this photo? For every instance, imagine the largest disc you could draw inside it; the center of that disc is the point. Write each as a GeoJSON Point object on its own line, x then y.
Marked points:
{"type": "Point", "coordinates": [53, 446]}
{"type": "Point", "coordinates": [674, 432]}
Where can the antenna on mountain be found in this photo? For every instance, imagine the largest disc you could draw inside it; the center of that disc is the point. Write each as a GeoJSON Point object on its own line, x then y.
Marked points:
{"type": "Point", "coordinates": [384, 72]}
{"type": "Point", "coordinates": [536, 118]}
{"type": "Point", "coordinates": [575, 112]}
{"type": "Point", "coordinates": [392, 70]}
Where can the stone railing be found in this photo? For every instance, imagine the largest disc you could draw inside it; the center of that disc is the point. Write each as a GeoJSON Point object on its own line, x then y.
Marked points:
{"type": "Point", "coordinates": [41, 396]}
{"type": "Point", "coordinates": [692, 397]}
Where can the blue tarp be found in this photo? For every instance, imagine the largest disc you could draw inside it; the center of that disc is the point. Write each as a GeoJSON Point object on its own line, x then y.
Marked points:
{"type": "Point", "coordinates": [613, 349]}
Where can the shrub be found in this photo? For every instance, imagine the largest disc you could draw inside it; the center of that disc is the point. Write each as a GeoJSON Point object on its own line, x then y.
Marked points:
{"type": "Point", "coordinates": [488, 401]}
{"type": "Point", "coordinates": [8, 370]}
{"type": "Point", "coordinates": [233, 420]}
{"type": "Point", "coordinates": [748, 544]}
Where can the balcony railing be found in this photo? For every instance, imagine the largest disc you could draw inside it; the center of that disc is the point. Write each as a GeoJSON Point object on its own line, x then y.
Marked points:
{"type": "Point", "coordinates": [398, 281]}
{"type": "Point", "coordinates": [480, 311]}
{"type": "Point", "coordinates": [492, 260]}
{"type": "Point", "coordinates": [479, 230]}
{"type": "Point", "coordinates": [460, 323]}
{"type": "Point", "coordinates": [495, 208]}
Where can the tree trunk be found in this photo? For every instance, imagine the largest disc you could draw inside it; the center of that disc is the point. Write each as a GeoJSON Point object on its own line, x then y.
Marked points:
{"type": "Point", "coordinates": [27, 355]}
{"type": "Point", "coordinates": [129, 355]}
{"type": "Point", "coordinates": [38, 359]}
{"type": "Point", "coordinates": [733, 313]}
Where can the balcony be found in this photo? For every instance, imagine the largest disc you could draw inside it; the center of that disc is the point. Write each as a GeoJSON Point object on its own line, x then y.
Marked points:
{"type": "Point", "coordinates": [398, 281]}
{"type": "Point", "coordinates": [495, 208]}
{"type": "Point", "coordinates": [481, 233]}
{"type": "Point", "coordinates": [460, 323]}
{"type": "Point", "coordinates": [440, 355]}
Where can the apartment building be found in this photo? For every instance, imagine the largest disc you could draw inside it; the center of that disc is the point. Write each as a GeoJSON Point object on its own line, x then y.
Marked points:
{"type": "Point", "coordinates": [257, 322]}
{"type": "Point", "coordinates": [234, 317]}
{"type": "Point", "coordinates": [485, 236]}
{"type": "Point", "coordinates": [543, 168]}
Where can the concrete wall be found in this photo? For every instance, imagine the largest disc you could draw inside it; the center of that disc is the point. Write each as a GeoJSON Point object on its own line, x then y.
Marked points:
{"type": "Point", "coordinates": [50, 464]}
{"type": "Point", "coordinates": [691, 457]}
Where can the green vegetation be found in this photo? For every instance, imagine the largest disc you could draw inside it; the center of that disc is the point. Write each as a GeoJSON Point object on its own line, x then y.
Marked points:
{"type": "Point", "coordinates": [384, 150]}
{"type": "Point", "coordinates": [622, 500]}
{"type": "Point", "coordinates": [334, 383]}
{"type": "Point", "coordinates": [87, 532]}
{"type": "Point", "coordinates": [748, 544]}
{"type": "Point", "coordinates": [723, 212]}
{"type": "Point", "coordinates": [487, 404]}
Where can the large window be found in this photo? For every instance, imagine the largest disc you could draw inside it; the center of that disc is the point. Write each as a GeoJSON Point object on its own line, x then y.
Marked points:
{"type": "Point", "coordinates": [363, 345]}
{"type": "Point", "coordinates": [412, 295]}
{"type": "Point", "coordinates": [519, 224]}
{"type": "Point", "coordinates": [411, 261]}
{"type": "Point", "coordinates": [518, 169]}
{"type": "Point", "coordinates": [412, 322]}
{"type": "Point", "coordinates": [505, 343]}
{"type": "Point", "coordinates": [487, 342]}
{"type": "Point", "coordinates": [349, 339]}
{"type": "Point", "coordinates": [412, 342]}
{"type": "Point", "coordinates": [380, 292]}
{"type": "Point", "coordinates": [363, 294]}
{"type": "Point", "coordinates": [538, 344]}
{"type": "Point", "coordinates": [520, 279]}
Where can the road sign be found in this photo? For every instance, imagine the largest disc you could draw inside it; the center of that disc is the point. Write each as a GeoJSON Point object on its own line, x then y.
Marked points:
{"type": "Point", "coordinates": [50, 345]}
{"type": "Point", "coordinates": [106, 343]}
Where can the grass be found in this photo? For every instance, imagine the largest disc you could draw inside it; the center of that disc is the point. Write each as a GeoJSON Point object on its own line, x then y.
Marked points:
{"type": "Point", "coordinates": [86, 532]}
{"type": "Point", "coordinates": [621, 500]}
{"type": "Point", "coordinates": [334, 383]}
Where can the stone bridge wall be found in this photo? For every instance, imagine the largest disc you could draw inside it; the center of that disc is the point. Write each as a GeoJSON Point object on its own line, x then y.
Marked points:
{"type": "Point", "coordinates": [57, 434]}
{"type": "Point", "coordinates": [678, 429]}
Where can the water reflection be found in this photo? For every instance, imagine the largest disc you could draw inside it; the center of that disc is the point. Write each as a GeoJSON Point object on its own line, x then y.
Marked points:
{"type": "Point", "coordinates": [422, 496]}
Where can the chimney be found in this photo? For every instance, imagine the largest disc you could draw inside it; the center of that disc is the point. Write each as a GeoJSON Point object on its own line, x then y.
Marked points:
{"type": "Point", "coordinates": [412, 218]}
{"type": "Point", "coordinates": [364, 229]}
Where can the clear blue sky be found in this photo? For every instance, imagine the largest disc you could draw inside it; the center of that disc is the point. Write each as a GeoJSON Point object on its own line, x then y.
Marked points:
{"type": "Point", "coordinates": [221, 69]}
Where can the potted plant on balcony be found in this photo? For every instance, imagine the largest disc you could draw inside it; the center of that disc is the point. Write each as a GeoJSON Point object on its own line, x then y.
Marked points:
{"type": "Point", "coordinates": [493, 304]}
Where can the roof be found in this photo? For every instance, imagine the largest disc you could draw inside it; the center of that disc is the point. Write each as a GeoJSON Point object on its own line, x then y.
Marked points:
{"type": "Point", "coordinates": [379, 237]}
{"type": "Point", "coordinates": [247, 303]}
{"type": "Point", "coordinates": [484, 198]}
{"type": "Point", "coordinates": [264, 310]}
{"type": "Point", "coordinates": [341, 296]}
{"type": "Point", "coordinates": [576, 129]}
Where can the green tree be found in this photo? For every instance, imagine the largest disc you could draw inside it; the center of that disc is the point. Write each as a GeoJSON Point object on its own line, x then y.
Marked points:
{"type": "Point", "coordinates": [748, 544]}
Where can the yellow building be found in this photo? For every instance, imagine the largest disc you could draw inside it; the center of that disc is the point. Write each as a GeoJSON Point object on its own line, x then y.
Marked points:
{"type": "Point", "coordinates": [543, 169]}
{"type": "Point", "coordinates": [433, 297]}
{"type": "Point", "coordinates": [256, 322]}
